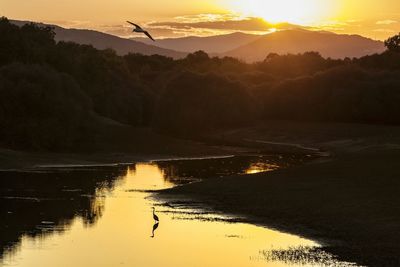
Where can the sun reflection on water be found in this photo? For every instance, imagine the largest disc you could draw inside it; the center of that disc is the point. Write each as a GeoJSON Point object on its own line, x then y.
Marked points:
{"type": "Point", "coordinates": [125, 233]}
{"type": "Point", "coordinates": [261, 167]}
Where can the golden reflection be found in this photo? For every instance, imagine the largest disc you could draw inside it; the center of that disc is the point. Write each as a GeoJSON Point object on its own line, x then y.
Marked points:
{"type": "Point", "coordinates": [261, 167]}
{"type": "Point", "coordinates": [146, 176]}
{"type": "Point", "coordinates": [97, 205]}
{"type": "Point", "coordinates": [121, 237]}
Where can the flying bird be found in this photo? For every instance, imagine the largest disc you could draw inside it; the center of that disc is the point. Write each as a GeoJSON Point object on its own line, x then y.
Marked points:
{"type": "Point", "coordinates": [140, 30]}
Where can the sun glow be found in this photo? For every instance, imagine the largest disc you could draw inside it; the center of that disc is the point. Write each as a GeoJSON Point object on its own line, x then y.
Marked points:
{"type": "Point", "coordinates": [293, 11]}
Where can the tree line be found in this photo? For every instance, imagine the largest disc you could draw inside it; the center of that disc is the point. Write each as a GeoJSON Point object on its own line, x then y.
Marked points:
{"type": "Point", "coordinates": [53, 94]}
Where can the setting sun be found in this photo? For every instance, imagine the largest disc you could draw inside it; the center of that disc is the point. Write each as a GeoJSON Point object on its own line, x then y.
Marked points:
{"type": "Point", "coordinates": [300, 11]}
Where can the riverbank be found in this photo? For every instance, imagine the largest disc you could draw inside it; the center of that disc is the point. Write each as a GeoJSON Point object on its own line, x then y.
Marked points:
{"type": "Point", "coordinates": [349, 200]}
{"type": "Point", "coordinates": [117, 144]}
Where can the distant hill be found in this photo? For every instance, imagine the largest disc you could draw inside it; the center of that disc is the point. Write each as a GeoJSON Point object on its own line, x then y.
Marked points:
{"type": "Point", "coordinates": [298, 41]}
{"type": "Point", "coordinates": [244, 46]}
{"type": "Point", "coordinates": [103, 41]}
{"type": "Point", "coordinates": [211, 44]}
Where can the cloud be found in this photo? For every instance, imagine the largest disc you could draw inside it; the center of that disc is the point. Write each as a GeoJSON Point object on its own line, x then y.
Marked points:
{"type": "Point", "coordinates": [386, 22]}
{"type": "Point", "coordinates": [221, 22]}
{"type": "Point", "coordinates": [217, 24]}
{"type": "Point", "coordinates": [73, 24]}
{"type": "Point", "coordinates": [188, 25]}
{"type": "Point", "coordinates": [384, 30]}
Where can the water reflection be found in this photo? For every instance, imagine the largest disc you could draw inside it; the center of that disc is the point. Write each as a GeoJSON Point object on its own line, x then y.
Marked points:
{"type": "Point", "coordinates": [261, 167]}
{"type": "Point", "coordinates": [180, 170]}
{"type": "Point", "coordinates": [101, 217]}
{"type": "Point", "coordinates": [155, 226]}
{"type": "Point", "coordinates": [37, 204]}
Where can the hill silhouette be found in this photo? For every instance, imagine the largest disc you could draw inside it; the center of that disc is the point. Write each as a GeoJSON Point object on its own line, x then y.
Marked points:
{"type": "Point", "coordinates": [248, 47]}
{"type": "Point", "coordinates": [209, 44]}
{"type": "Point", "coordinates": [299, 41]}
{"type": "Point", "coordinates": [102, 41]}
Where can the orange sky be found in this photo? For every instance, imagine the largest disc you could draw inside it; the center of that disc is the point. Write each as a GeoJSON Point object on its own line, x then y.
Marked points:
{"type": "Point", "coordinates": [168, 18]}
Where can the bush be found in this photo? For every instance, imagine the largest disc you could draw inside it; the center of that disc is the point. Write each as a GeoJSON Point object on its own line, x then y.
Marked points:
{"type": "Point", "coordinates": [40, 108]}
{"type": "Point", "coordinates": [28, 44]}
{"type": "Point", "coordinates": [195, 103]}
{"type": "Point", "coordinates": [345, 94]}
{"type": "Point", "coordinates": [393, 43]}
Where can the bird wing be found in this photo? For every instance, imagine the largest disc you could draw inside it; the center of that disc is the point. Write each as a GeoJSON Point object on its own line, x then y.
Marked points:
{"type": "Point", "coordinates": [148, 35]}
{"type": "Point", "coordinates": [137, 26]}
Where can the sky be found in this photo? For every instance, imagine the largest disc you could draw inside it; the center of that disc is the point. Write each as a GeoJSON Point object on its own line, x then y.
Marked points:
{"type": "Point", "coordinates": [377, 19]}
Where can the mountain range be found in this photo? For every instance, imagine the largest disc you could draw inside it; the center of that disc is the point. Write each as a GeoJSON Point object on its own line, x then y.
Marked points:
{"type": "Point", "coordinates": [247, 47]}
{"type": "Point", "coordinates": [102, 40]}
{"type": "Point", "coordinates": [210, 44]}
{"type": "Point", "coordinates": [299, 41]}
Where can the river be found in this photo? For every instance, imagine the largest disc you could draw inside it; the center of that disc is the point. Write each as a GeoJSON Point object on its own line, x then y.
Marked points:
{"type": "Point", "coordinates": [102, 216]}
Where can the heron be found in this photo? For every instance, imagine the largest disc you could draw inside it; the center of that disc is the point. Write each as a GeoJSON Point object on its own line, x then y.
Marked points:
{"type": "Point", "coordinates": [155, 217]}
{"type": "Point", "coordinates": [140, 30]}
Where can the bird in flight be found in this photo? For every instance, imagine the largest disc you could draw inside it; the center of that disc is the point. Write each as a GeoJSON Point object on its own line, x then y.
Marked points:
{"type": "Point", "coordinates": [140, 30]}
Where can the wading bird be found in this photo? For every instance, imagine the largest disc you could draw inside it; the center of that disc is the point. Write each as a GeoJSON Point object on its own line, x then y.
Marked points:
{"type": "Point", "coordinates": [140, 30]}
{"type": "Point", "coordinates": [155, 217]}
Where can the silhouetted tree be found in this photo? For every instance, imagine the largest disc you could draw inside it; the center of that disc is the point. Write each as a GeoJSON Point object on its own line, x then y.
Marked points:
{"type": "Point", "coordinates": [345, 93]}
{"type": "Point", "coordinates": [198, 56]}
{"type": "Point", "coordinates": [270, 57]}
{"type": "Point", "coordinates": [195, 103]}
{"type": "Point", "coordinates": [393, 43]}
{"type": "Point", "coordinates": [52, 93]}
{"type": "Point", "coordinates": [41, 108]}
{"type": "Point", "coordinates": [289, 66]}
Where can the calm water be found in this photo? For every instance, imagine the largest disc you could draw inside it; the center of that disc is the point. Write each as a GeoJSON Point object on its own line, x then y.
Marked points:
{"type": "Point", "coordinates": [102, 216]}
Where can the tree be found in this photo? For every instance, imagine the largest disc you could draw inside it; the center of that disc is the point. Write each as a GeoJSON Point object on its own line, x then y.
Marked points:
{"type": "Point", "coordinates": [198, 56]}
{"type": "Point", "coordinates": [195, 103]}
{"type": "Point", "coordinates": [393, 43]}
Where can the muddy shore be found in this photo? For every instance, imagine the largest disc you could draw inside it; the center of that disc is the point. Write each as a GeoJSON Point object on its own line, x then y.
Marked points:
{"type": "Point", "coordinates": [349, 200]}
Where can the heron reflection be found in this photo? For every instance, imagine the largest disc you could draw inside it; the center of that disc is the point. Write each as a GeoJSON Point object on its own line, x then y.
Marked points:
{"type": "Point", "coordinates": [155, 226]}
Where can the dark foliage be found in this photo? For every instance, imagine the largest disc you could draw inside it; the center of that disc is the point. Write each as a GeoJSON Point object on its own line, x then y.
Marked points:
{"type": "Point", "coordinates": [386, 61]}
{"type": "Point", "coordinates": [194, 103]}
{"type": "Point", "coordinates": [52, 94]}
{"type": "Point", "coordinates": [288, 66]}
{"type": "Point", "coordinates": [40, 108]}
{"type": "Point", "coordinates": [346, 94]}
{"type": "Point", "coordinates": [104, 77]}
{"type": "Point", "coordinates": [28, 44]}
{"type": "Point", "coordinates": [393, 43]}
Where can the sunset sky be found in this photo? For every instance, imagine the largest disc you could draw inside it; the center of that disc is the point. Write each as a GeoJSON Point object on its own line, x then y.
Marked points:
{"type": "Point", "coordinates": [175, 18]}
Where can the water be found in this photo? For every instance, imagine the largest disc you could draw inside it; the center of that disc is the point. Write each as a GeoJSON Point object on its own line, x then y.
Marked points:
{"type": "Point", "coordinates": [102, 216]}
